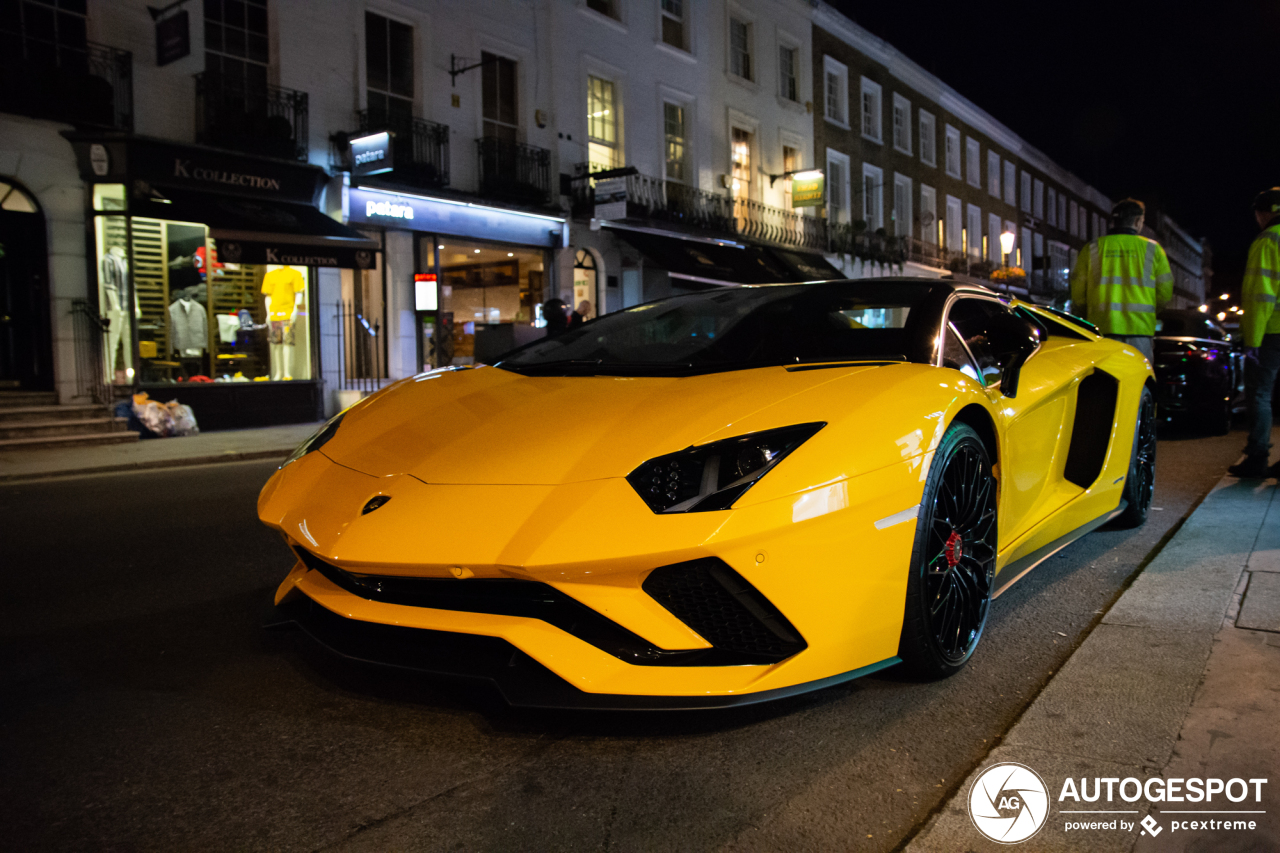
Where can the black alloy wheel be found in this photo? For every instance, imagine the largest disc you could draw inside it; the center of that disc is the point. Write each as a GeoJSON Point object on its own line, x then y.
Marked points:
{"type": "Point", "coordinates": [1140, 484]}
{"type": "Point", "coordinates": [954, 558]}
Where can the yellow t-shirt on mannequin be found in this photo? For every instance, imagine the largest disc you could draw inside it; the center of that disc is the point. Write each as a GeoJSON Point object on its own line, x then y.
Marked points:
{"type": "Point", "coordinates": [281, 287]}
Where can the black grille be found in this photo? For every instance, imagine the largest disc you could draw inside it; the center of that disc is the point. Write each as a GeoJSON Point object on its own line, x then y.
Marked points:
{"type": "Point", "coordinates": [530, 599]}
{"type": "Point", "coordinates": [724, 609]}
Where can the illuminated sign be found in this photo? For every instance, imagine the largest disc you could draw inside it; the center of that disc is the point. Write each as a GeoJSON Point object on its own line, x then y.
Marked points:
{"type": "Point", "coordinates": [424, 291]}
{"type": "Point", "coordinates": [388, 209]}
{"type": "Point", "coordinates": [807, 188]}
{"type": "Point", "coordinates": [372, 155]}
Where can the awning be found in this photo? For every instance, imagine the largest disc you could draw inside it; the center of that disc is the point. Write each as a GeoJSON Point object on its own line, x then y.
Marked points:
{"type": "Point", "coordinates": [252, 231]}
{"type": "Point", "coordinates": [696, 263]}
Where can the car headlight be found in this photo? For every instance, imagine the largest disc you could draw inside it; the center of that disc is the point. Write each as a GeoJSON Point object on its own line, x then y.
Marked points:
{"type": "Point", "coordinates": [318, 439]}
{"type": "Point", "coordinates": [715, 475]}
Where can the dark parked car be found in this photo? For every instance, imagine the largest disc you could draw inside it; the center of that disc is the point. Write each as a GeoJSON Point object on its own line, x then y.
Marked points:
{"type": "Point", "coordinates": [1199, 371]}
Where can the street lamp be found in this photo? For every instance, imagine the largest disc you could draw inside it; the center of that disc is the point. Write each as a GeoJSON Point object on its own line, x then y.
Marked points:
{"type": "Point", "coordinates": [1006, 246]}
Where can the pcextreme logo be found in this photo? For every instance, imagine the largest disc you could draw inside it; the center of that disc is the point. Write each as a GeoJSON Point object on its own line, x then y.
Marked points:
{"type": "Point", "coordinates": [1009, 803]}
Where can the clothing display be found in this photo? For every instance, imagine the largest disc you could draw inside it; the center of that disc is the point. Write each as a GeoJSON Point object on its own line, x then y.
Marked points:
{"type": "Point", "coordinates": [282, 287]}
{"type": "Point", "coordinates": [115, 289]}
{"type": "Point", "coordinates": [188, 326]}
{"type": "Point", "coordinates": [281, 332]}
{"type": "Point", "coordinates": [228, 325]}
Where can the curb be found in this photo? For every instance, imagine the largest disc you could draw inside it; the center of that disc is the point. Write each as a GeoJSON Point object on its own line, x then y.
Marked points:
{"type": "Point", "coordinates": [142, 465]}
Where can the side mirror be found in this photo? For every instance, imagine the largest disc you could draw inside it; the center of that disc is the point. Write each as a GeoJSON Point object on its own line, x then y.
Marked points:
{"type": "Point", "coordinates": [1021, 339]}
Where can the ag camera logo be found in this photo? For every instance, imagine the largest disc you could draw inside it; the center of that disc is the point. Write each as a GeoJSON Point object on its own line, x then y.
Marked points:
{"type": "Point", "coordinates": [1008, 803]}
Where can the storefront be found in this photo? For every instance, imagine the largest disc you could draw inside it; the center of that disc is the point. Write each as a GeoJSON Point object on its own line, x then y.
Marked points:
{"type": "Point", "coordinates": [480, 275]}
{"type": "Point", "coordinates": [206, 267]}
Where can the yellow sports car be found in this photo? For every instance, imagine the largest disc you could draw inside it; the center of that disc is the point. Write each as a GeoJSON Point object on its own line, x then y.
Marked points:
{"type": "Point", "coordinates": [718, 498]}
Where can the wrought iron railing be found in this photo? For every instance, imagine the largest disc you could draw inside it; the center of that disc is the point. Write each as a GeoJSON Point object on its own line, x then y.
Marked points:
{"type": "Point", "coordinates": [362, 351]}
{"type": "Point", "coordinates": [668, 201]}
{"type": "Point", "coordinates": [514, 172]}
{"type": "Point", "coordinates": [88, 85]}
{"type": "Point", "coordinates": [419, 148]}
{"type": "Point", "coordinates": [87, 330]}
{"type": "Point", "coordinates": [266, 120]}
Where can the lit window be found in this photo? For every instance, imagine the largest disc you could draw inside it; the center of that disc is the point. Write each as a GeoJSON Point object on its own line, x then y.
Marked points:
{"type": "Point", "coordinates": [677, 142]}
{"type": "Point", "coordinates": [741, 155]}
{"type": "Point", "coordinates": [602, 124]}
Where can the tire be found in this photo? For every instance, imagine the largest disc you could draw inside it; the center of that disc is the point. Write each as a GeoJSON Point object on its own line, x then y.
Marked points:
{"type": "Point", "coordinates": [1140, 483]}
{"type": "Point", "coordinates": [949, 591]}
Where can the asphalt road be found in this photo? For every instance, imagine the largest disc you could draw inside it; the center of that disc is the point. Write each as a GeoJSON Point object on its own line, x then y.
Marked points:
{"type": "Point", "coordinates": [142, 707]}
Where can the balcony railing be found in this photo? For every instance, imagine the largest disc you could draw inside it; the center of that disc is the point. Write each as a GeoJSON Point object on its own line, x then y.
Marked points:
{"type": "Point", "coordinates": [266, 120]}
{"type": "Point", "coordinates": [668, 201]}
{"type": "Point", "coordinates": [514, 172]}
{"type": "Point", "coordinates": [90, 85]}
{"type": "Point", "coordinates": [419, 148]}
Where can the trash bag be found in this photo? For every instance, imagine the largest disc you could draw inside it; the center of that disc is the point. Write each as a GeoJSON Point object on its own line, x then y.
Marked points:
{"type": "Point", "coordinates": [184, 420]}
{"type": "Point", "coordinates": [164, 419]}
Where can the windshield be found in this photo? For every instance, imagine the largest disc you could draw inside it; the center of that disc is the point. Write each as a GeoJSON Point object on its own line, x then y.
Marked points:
{"type": "Point", "coordinates": [735, 329]}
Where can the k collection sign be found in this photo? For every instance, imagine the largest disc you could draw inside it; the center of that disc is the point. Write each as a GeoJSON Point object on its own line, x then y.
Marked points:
{"type": "Point", "coordinates": [1011, 803]}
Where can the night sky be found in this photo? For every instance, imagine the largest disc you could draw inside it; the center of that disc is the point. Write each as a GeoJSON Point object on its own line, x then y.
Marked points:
{"type": "Point", "coordinates": [1176, 104]}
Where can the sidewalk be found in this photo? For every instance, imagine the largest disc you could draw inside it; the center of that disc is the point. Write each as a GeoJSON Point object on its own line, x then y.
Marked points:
{"type": "Point", "coordinates": [226, 446]}
{"type": "Point", "coordinates": [1179, 681]}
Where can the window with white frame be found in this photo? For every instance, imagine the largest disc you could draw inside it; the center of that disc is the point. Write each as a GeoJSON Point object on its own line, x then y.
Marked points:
{"type": "Point", "coordinates": [903, 224]}
{"type": "Point", "coordinates": [676, 140]}
{"type": "Point", "coordinates": [742, 142]}
{"type": "Point", "coordinates": [1026, 192]}
{"type": "Point", "coordinates": [973, 162]}
{"type": "Point", "coordinates": [1062, 211]}
{"type": "Point", "coordinates": [928, 215]}
{"type": "Point", "coordinates": [901, 124]}
{"type": "Point", "coordinates": [1053, 207]}
{"type": "Point", "coordinates": [1010, 184]}
{"type": "Point", "coordinates": [993, 238]}
{"type": "Point", "coordinates": [953, 151]}
{"type": "Point", "coordinates": [788, 73]}
{"type": "Point", "coordinates": [836, 94]}
{"type": "Point", "coordinates": [953, 229]}
{"type": "Point", "coordinates": [993, 173]}
{"type": "Point", "coordinates": [674, 31]}
{"type": "Point", "coordinates": [1073, 218]}
{"type": "Point", "coordinates": [973, 231]}
{"type": "Point", "coordinates": [928, 139]}
{"type": "Point", "coordinates": [871, 110]}
{"type": "Point", "coordinates": [838, 211]}
{"type": "Point", "coordinates": [872, 197]}
{"type": "Point", "coordinates": [1021, 256]}
{"type": "Point", "coordinates": [1037, 199]}
{"type": "Point", "coordinates": [602, 124]}
{"type": "Point", "coordinates": [606, 7]}
{"type": "Point", "coordinates": [740, 49]}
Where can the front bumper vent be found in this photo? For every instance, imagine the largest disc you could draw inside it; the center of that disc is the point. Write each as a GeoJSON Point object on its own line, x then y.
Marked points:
{"type": "Point", "coordinates": [725, 610]}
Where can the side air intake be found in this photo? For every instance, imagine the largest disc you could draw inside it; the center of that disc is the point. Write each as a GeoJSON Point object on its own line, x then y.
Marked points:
{"type": "Point", "coordinates": [1091, 432]}
{"type": "Point", "coordinates": [725, 610]}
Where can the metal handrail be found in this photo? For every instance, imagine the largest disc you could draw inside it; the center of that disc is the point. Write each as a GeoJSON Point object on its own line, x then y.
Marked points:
{"type": "Point", "coordinates": [514, 171]}
{"type": "Point", "coordinates": [419, 148]}
{"type": "Point", "coordinates": [90, 85]}
{"type": "Point", "coordinates": [267, 120]}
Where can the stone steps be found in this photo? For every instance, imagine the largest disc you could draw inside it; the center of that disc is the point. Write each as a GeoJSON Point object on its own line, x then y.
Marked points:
{"type": "Point", "coordinates": [34, 421]}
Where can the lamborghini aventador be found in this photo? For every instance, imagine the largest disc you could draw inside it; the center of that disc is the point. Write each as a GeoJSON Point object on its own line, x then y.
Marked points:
{"type": "Point", "coordinates": [717, 498]}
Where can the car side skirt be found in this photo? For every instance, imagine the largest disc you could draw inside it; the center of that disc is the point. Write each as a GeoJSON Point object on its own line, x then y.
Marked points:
{"type": "Point", "coordinates": [1018, 568]}
{"type": "Point", "coordinates": [521, 680]}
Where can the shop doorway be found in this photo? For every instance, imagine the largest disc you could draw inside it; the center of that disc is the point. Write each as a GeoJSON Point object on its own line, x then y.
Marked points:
{"type": "Point", "coordinates": [26, 351]}
{"type": "Point", "coordinates": [491, 296]}
{"type": "Point", "coordinates": [586, 282]}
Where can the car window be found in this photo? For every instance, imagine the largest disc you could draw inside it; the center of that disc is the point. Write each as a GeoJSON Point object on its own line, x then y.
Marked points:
{"type": "Point", "coordinates": [991, 347]}
{"type": "Point", "coordinates": [955, 356]}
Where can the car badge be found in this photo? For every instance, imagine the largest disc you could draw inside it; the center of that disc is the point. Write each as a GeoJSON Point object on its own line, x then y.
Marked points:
{"type": "Point", "coordinates": [374, 503]}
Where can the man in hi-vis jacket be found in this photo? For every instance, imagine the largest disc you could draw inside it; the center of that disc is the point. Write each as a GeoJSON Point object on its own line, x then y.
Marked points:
{"type": "Point", "coordinates": [1122, 280]}
{"type": "Point", "coordinates": [1261, 327]}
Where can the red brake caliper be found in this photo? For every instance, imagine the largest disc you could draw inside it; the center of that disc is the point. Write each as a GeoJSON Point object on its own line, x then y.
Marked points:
{"type": "Point", "coordinates": [954, 550]}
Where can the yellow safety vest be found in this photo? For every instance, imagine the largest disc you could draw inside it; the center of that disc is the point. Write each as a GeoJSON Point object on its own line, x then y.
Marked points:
{"type": "Point", "coordinates": [1261, 285]}
{"type": "Point", "coordinates": [1119, 283]}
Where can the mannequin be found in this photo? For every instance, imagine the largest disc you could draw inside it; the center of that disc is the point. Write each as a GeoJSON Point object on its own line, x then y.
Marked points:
{"type": "Point", "coordinates": [115, 292]}
{"type": "Point", "coordinates": [285, 288]}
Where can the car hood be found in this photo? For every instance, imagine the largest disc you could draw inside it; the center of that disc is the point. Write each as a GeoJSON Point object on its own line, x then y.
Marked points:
{"type": "Point", "coordinates": [491, 426]}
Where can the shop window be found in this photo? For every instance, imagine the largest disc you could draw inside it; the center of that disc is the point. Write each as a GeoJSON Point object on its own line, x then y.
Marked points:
{"type": "Point", "coordinates": [491, 295]}
{"type": "Point", "coordinates": [108, 197]}
{"type": "Point", "coordinates": [602, 124]}
{"type": "Point", "coordinates": [677, 142]}
{"type": "Point", "coordinates": [586, 283]}
{"type": "Point", "coordinates": [236, 42]}
{"type": "Point", "coordinates": [498, 89]}
{"type": "Point", "coordinates": [389, 69]}
{"type": "Point", "coordinates": [196, 319]}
